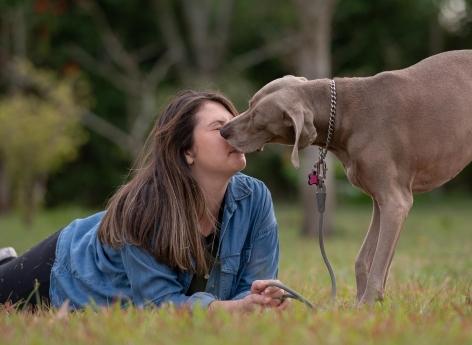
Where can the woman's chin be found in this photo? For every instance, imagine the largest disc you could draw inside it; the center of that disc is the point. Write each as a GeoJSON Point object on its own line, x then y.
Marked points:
{"type": "Point", "coordinates": [238, 162]}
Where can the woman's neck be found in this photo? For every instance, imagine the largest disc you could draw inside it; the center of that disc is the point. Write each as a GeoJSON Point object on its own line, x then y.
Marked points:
{"type": "Point", "coordinates": [213, 191]}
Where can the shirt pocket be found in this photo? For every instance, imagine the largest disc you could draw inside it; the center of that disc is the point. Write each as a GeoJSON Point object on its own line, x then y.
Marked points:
{"type": "Point", "coordinates": [245, 256]}
{"type": "Point", "coordinates": [231, 266]}
{"type": "Point", "coordinates": [228, 272]}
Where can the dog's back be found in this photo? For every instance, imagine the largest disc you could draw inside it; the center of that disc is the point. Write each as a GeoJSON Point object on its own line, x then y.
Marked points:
{"type": "Point", "coordinates": [428, 107]}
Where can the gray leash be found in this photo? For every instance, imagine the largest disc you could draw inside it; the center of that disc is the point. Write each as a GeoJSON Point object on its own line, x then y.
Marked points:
{"type": "Point", "coordinates": [321, 198]}
{"type": "Point", "coordinates": [290, 293]}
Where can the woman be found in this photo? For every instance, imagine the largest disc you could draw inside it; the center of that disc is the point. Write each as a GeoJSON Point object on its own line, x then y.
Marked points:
{"type": "Point", "coordinates": [187, 228]}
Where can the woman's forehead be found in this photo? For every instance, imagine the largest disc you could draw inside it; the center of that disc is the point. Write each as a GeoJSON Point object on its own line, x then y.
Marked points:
{"type": "Point", "coordinates": [210, 112]}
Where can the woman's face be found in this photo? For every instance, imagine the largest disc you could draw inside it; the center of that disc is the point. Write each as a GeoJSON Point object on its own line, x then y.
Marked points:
{"type": "Point", "coordinates": [211, 155]}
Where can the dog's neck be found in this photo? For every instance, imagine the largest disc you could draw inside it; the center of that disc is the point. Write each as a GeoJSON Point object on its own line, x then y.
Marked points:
{"type": "Point", "coordinates": [318, 102]}
{"type": "Point", "coordinates": [319, 95]}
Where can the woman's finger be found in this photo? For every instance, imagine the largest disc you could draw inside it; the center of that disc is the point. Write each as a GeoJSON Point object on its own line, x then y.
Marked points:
{"type": "Point", "coordinates": [276, 301]}
{"type": "Point", "coordinates": [259, 299]}
{"type": "Point", "coordinates": [285, 304]}
{"type": "Point", "coordinates": [273, 292]}
{"type": "Point", "coordinates": [260, 285]}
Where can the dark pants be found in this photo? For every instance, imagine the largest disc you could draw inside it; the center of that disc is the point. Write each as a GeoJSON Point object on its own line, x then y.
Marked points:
{"type": "Point", "coordinates": [26, 278]}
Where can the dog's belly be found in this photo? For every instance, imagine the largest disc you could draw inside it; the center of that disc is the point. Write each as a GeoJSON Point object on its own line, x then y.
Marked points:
{"type": "Point", "coordinates": [432, 163]}
{"type": "Point", "coordinates": [436, 175]}
{"type": "Point", "coordinates": [422, 178]}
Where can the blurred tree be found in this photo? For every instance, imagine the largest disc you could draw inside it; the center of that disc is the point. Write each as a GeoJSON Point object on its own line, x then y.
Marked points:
{"type": "Point", "coordinates": [200, 37]}
{"type": "Point", "coordinates": [122, 68]}
{"type": "Point", "coordinates": [313, 60]}
{"type": "Point", "coordinates": [39, 131]}
{"type": "Point", "coordinates": [13, 41]}
{"type": "Point", "coordinates": [233, 46]}
{"type": "Point", "coordinates": [192, 45]}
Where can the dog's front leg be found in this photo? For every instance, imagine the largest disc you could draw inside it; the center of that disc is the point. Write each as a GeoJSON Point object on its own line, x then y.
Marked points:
{"type": "Point", "coordinates": [394, 207]}
{"type": "Point", "coordinates": [367, 251]}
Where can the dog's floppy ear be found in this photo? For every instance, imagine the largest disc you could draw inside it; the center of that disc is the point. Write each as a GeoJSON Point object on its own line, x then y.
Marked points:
{"type": "Point", "coordinates": [296, 117]}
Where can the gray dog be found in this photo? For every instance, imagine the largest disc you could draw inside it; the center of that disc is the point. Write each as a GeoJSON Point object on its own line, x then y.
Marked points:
{"type": "Point", "coordinates": [397, 133]}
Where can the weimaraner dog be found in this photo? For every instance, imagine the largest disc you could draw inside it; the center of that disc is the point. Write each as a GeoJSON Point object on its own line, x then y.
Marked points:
{"type": "Point", "coordinates": [396, 133]}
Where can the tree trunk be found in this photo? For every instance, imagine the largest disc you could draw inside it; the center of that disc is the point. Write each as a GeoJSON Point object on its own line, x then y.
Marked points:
{"type": "Point", "coordinates": [13, 43]}
{"type": "Point", "coordinates": [313, 60]}
{"type": "Point", "coordinates": [436, 36]}
{"type": "Point", "coordinates": [5, 202]}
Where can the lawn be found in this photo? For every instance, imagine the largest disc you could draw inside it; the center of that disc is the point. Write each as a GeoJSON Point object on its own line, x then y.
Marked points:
{"type": "Point", "coordinates": [428, 301]}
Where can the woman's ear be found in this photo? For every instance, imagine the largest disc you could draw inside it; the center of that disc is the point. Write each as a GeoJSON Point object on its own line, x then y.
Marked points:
{"type": "Point", "coordinates": [189, 157]}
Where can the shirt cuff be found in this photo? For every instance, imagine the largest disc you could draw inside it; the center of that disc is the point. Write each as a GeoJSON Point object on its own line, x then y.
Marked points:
{"type": "Point", "coordinates": [203, 299]}
{"type": "Point", "coordinates": [241, 295]}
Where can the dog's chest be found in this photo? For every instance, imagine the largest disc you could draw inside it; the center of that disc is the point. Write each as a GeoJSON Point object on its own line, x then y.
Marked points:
{"type": "Point", "coordinates": [351, 173]}
{"type": "Point", "coordinates": [351, 176]}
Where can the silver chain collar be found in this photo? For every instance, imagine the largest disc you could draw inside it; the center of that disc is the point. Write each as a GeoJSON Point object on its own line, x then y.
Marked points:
{"type": "Point", "coordinates": [332, 119]}
{"type": "Point", "coordinates": [318, 175]}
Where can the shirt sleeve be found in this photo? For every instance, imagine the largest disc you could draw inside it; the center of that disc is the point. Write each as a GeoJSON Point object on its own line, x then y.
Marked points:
{"type": "Point", "coordinates": [154, 283]}
{"type": "Point", "coordinates": [263, 260]}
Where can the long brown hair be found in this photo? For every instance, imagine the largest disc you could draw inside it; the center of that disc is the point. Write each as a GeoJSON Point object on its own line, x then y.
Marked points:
{"type": "Point", "coordinates": [160, 208]}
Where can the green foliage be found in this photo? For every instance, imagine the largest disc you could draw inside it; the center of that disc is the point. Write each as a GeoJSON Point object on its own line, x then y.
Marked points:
{"type": "Point", "coordinates": [39, 129]}
{"type": "Point", "coordinates": [274, 167]}
{"type": "Point", "coordinates": [368, 37]}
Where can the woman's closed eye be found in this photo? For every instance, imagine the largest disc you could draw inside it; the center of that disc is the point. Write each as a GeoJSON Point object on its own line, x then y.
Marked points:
{"type": "Point", "coordinates": [216, 125]}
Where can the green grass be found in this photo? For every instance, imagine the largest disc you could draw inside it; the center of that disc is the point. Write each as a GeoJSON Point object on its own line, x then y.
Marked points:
{"type": "Point", "coordinates": [428, 300]}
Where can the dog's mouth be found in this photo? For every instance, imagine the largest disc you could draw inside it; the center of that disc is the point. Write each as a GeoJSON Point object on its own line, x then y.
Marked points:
{"type": "Point", "coordinates": [246, 145]}
{"type": "Point", "coordinates": [252, 149]}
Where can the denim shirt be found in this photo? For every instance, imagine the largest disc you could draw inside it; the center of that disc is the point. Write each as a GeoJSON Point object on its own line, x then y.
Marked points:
{"type": "Point", "coordinates": [86, 271]}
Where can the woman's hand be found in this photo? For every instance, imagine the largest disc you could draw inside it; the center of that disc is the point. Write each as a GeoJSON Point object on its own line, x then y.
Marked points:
{"type": "Point", "coordinates": [276, 294]}
{"type": "Point", "coordinates": [261, 297]}
{"type": "Point", "coordinates": [251, 302]}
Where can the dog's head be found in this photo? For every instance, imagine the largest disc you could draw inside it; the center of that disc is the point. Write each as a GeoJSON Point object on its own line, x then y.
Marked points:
{"type": "Point", "coordinates": [276, 114]}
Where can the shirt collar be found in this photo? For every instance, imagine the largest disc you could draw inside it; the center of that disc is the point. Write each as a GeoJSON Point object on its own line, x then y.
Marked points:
{"type": "Point", "coordinates": [238, 187]}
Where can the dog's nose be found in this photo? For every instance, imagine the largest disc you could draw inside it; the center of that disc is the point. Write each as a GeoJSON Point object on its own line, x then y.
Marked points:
{"type": "Point", "coordinates": [225, 132]}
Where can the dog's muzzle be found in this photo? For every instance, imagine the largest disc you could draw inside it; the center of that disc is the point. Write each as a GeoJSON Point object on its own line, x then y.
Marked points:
{"type": "Point", "coordinates": [225, 132]}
